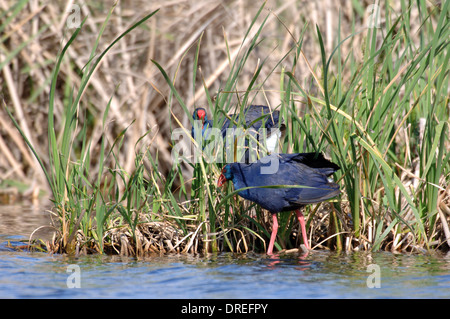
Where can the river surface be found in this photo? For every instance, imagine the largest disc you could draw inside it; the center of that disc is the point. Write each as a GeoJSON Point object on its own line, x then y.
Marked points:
{"type": "Point", "coordinates": [321, 274]}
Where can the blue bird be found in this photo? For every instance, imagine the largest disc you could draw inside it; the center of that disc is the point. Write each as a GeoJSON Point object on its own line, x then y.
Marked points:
{"type": "Point", "coordinates": [256, 117]}
{"type": "Point", "coordinates": [200, 114]}
{"type": "Point", "coordinates": [310, 171]}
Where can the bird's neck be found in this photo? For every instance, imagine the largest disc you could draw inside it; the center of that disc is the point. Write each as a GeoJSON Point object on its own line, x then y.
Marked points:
{"type": "Point", "coordinates": [237, 183]}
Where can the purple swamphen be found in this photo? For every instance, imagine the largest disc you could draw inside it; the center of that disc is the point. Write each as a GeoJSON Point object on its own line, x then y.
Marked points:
{"type": "Point", "coordinates": [308, 171]}
{"type": "Point", "coordinates": [200, 114]}
{"type": "Point", "coordinates": [256, 117]}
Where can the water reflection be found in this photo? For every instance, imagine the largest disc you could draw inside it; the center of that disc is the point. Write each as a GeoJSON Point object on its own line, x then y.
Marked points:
{"type": "Point", "coordinates": [294, 256]}
{"type": "Point", "coordinates": [22, 219]}
{"type": "Point", "coordinates": [288, 274]}
{"type": "Point", "coordinates": [319, 274]}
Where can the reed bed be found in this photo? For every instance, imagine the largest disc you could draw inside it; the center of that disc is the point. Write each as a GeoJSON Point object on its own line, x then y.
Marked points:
{"type": "Point", "coordinates": [102, 101]}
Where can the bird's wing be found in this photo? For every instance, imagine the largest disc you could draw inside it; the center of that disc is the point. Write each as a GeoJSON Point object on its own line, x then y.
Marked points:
{"type": "Point", "coordinates": [313, 185]}
{"type": "Point", "coordinates": [256, 115]}
{"type": "Point", "coordinates": [312, 160]}
{"type": "Point", "coordinates": [312, 195]}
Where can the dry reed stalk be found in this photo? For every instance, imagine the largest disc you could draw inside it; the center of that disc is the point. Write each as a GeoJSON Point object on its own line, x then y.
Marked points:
{"type": "Point", "coordinates": [138, 90]}
{"type": "Point", "coordinates": [181, 22]}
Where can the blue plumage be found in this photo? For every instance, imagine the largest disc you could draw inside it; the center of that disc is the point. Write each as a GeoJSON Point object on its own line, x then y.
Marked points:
{"type": "Point", "coordinates": [256, 117]}
{"type": "Point", "coordinates": [294, 169]}
{"type": "Point", "coordinates": [309, 172]}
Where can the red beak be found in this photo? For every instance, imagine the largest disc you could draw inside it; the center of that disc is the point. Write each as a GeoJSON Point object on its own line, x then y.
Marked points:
{"type": "Point", "coordinates": [222, 180]}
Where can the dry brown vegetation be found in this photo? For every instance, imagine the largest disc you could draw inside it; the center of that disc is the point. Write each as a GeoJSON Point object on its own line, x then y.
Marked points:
{"type": "Point", "coordinates": [33, 36]}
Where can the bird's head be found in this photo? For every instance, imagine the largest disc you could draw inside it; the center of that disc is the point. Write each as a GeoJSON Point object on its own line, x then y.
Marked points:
{"type": "Point", "coordinates": [200, 114]}
{"type": "Point", "coordinates": [225, 176]}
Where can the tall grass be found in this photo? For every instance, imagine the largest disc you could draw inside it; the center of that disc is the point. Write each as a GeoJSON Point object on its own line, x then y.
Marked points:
{"type": "Point", "coordinates": [387, 128]}
{"type": "Point", "coordinates": [83, 202]}
{"type": "Point", "coordinates": [384, 119]}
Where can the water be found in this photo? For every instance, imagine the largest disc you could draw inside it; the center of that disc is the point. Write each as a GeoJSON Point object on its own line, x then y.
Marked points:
{"type": "Point", "coordinates": [321, 274]}
{"type": "Point", "coordinates": [25, 219]}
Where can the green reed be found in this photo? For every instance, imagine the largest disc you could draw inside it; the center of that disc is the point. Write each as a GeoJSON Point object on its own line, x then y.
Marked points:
{"type": "Point", "coordinates": [82, 201]}
{"type": "Point", "coordinates": [377, 118]}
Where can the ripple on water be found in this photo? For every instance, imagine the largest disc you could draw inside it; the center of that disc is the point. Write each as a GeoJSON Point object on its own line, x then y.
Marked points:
{"type": "Point", "coordinates": [319, 275]}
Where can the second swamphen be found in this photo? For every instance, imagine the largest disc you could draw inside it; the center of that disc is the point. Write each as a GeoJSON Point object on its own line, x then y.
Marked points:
{"type": "Point", "coordinates": [310, 171]}
{"type": "Point", "coordinates": [255, 118]}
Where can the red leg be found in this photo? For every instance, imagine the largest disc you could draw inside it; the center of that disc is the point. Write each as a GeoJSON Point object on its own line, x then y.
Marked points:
{"type": "Point", "coordinates": [274, 234]}
{"type": "Point", "coordinates": [301, 219]}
